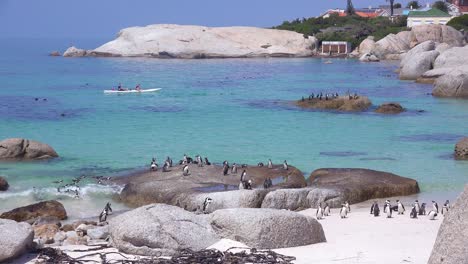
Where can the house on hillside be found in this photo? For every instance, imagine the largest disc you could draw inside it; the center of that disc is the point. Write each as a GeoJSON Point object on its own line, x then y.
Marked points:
{"type": "Point", "coordinates": [336, 47]}
{"type": "Point", "coordinates": [329, 12]}
{"type": "Point", "coordinates": [432, 16]}
{"type": "Point", "coordinates": [369, 12]}
{"type": "Point", "coordinates": [458, 7]}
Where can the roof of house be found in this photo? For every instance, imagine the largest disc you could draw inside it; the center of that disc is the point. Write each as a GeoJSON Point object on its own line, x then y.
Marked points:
{"type": "Point", "coordinates": [433, 12]}
{"type": "Point", "coordinates": [367, 14]}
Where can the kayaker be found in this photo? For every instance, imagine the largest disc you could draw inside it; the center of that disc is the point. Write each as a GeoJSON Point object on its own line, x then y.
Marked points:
{"type": "Point", "coordinates": [137, 87]}
{"type": "Point", "coordinates": [119, 88]}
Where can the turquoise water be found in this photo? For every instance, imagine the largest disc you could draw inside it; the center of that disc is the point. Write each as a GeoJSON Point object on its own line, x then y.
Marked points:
{"type": "Point", "coordinates": [233, 109]}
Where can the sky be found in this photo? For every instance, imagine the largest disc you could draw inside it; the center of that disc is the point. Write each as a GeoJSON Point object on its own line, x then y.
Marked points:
{"type": "Point", "coordinates": [104, 18]}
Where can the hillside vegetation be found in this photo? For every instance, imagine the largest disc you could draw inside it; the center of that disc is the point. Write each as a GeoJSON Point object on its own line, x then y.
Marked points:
{"type": "Point", "coordinates": [459, 23]}
{"type": "Point", "coordinates": [353, 29]}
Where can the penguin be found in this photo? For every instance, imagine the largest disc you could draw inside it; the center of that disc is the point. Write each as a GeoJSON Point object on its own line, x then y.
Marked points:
{"type": "Point", "coordinates": [260, 164]}
{"type": "Point", "coordinates": [422, 209]}
{"type": "Point", "coordinates": [234, 168]}
{"type": "Point", "coordinates": [435, 206]}
{"type": "Point", "coordinates": [401, 208]}
{"type": "Point", "coordinates": [243, 176]}
{"type": "Point", "coordinates": [417, 206]}
{"type": "Point", "coordinates": [343, 211]}
{"type": "Point", "coordinates": [389, 211]}
{"type": "Point", "coordinates": [154, 166]}
{"type": "Point", "coordinates": [414, 213]}
{"type": "Point", "coordinates": [199, 161]}
{"type": "Point", "coordinates": [348, 208]}
{"type": "Point", "coordinates": [244, 166]}
{"type": "Point", "coordinates": [326, 210]}
{"type": "Point", "coordinates": [107, 211]}
{"type": "Point", "coordinates": [375, 210]}
{"type": "Point", "coordinates": [285, 165]}
{"type": "Point", "coordinates": [185, 170]}
{"type": "Point", "coordinates": [226, 163]}
{"type": "Point", "coordinates": [270, 164]}
{"type": "Point", "coordinates": [432, 215]}
{"type": "Point", "coordinates": [319, 212]}
{"type": "Point", "coordinates": [165, 167]}
{"type": "Point", "coordinates": [207, 162]}
{"type": "Point", "coordinates": [445, 207]}
{"type": "Point", "coordinates": [386, 205]}
{"type": "Point", "coordinates": [248, 185]}
{"type": "Point", "coordinates": [206, 204]}
{"type": "Point", "coordinates": [267, 183]}
{"type": "Point", "coordinates": [184, 159]}
{"type": "Point", "coordinates": [225, 169]}
{"type": "Point", "coordinates": [169, 161]}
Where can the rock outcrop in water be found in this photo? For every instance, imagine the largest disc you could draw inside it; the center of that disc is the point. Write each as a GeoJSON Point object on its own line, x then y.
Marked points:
{"type": "Point", "coordinates": [31, 213]}
{"type": "Point", "coordinates": [390, 108]}
{"type": "Point", "coordinates": [24, 149]}
{"type": "Point", "coordinates": [196, 42]}
{"type": "Point", "coordinates": [461, 149]}
{"type": "Point", "coordinates": [341, 103]}
{"type": "Point", "coordinates": [451, 241]}
{"type": "Point", "coordinates": [15, 239]}
{"type": "Point", "coordinates": [3, 184]}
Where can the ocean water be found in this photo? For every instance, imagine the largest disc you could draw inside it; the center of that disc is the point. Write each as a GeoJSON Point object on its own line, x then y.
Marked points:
{"type": "Point", "coordinates": [225, 109]}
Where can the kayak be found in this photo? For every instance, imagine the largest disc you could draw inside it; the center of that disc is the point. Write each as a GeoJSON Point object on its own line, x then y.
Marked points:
{"type": "Point", "coordinates": [133, 91]}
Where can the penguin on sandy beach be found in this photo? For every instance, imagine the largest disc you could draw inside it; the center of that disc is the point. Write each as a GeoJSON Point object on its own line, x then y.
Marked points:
{"type": "Point", "coordinates": [445, 207]}
{"type": "Point", "coordinates": [107, 211]}
{"type": "Point", "coordinates": [432, 215]}
{"type": "Point", "coordinates": [270, 164]}
{"type": "Point", "coordinates": [375, 210]}
{"type": "Point", "coordinates": [207, 162]}
{"type": "Point", "coordinates": [319, 212]}
{"type": "Point", "coordinates": [234, 168]}
{"type": "Point", "coordinates": [185, 160]}
{"type": "Point", "coordinates": [199, 161]}
{"type": "Point", "coordinates": [154, 166]}
{"type": "Point", "coordinates": [206, 204]}
{"type": "Point", "coordinates": [348, 207]}
{"type": "Point", "coordinates": [326, 210]}
{"type": "Point", "coordinates": [225, 169]}
{"type": "Point", "coordinates": [260, 164]}
{"type": "Point", "coordinates": [169, 161]}
{"type": "Point", "coordinates": [401, 208]}
{"type": "Point", "coordinates": [185, 170]}
{"type": "Point", "coordinates": [343, 211]}
{"type": "Point", "coordinates": [166, 166]}
{"type": "Point", "coordinates": [422, 209]}
{"type": "Point", "coordinates": [414, 213]}
{"type": "Point", "coordinates": [285, 165]}
{"type": "Point", "coordinates": [435, 206]}
{"type": "Point", "coordinates": [417, 206]}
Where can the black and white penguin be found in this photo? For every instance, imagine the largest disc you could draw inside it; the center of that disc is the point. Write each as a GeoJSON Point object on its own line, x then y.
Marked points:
{"type": "Point", "coordinates": [154, 166]}
{"type": "Point", "coordinates": [207, 162]}
{"type": "Point", "coordinates": [243, 176]}
{"type": "Point", "coordinates": [401, 208]}
{"type": "Point", "coordinates": [445, 207]}
{"type": "Point", "coordinates": [326, 210]}
{"type": "Point", "coordinates": [226, 163]}
{"type": "Point", "coordinates": [185, 160]}
{"type": "Point", "coordinates": [107, 211]}
{"type": "Point", "coordinates": [169, 161]}
{"type": "Point", "coordinates": [185, 170]}
{"type": "Point", "coordinates": [206, 204]}
{"type": "Point", "coordinates": [389, 210]}
{"type": "Point", "coordinates": [270, 164]}
{"type": "Point", "coordinates": [348, 208]}
{"type": "Point", "coordinates": [435, 206]}
{"type": "Point", "coordinates": [375, 210]}
{"type": "Point", "coordinates": [422, 209]}
{"type": "Point", "coordinates": [319, 212]}
{"type": "Point", "coordinates": [199, 161]}
{"type": "Point", "coordinates": [234, 168]}
{"type": "Point", "coordinates": [244, 166]}
{"type": "Point", "coordinates": [343, 211]}
{"type": "Point", "coordinates": [414, 213]}
{"type": "Point", "coordinates": [225, 169]}
{"type": "Point", "coordinates": [285, 165]}
{"type": "Point", "coordinates": [432, 215]}
{"type": "Point", "coordinates": [267, 183]}
{"type": "Point", "coordinates": [386, 206]}
{"type": "Point", "coordinates": [417, 206]}
{"type": "Point", "coordinates": [260, 164]}
{"type": "Point", "coordinates": [166, 166]}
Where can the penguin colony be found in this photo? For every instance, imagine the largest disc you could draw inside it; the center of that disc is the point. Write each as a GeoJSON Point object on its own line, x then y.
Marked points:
{"type": "Point", "coordinates": [388, 209]}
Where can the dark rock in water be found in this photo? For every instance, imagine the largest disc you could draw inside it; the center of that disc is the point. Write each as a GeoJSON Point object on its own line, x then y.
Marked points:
{"type": "Point", "coordinates": [187, 191]}
{"type": "Point", "coordinates": [3, 184]}
{"type": "Point", "coordinates": [158, 229]}
{"type": "Point", "coordinates": [54, 54]}
{"type": "Point", "coordinates": [24, 149]}
{"type": "Point", "coordinates": [342, 103]}
{"type": "Point", "coordinates": [461, 149]}
{"type": "Point", "coordinates": [31, 213]}
{"type": "Point", "coordinates": [267, 228]}
{"type": "Point", "coordinates": [358, 185]}
{"type": "Point", "coordinates": [390, 108]}
{"type": "Point", "coordinates": [15, 239]}
{"type": "Point", "coordinates": [451, 241]}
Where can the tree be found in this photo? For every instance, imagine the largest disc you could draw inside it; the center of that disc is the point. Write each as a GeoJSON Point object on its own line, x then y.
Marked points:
{"type": "Point", "coordinates": [397, 5]}
{"type": "Point", "coordinates": [350, 8]}
{"type": "Point", "coordinates": [413, 4]}
{"type": "Point", "coordinates": [391, 6]}
{"type": "Point", "coordinates": [441, 6]}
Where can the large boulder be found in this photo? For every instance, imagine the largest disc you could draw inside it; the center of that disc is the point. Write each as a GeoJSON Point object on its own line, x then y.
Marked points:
{"type": "Point", "coordinates": [74, 52]}
{"type": "Point", "coordinates": [461, 149]}
{"type": "Point", "coordinates": [423, 47]}
{"type": "Point", "coordinates": [358, 185]}
{"type": "Point", "coordinates": [452, 84]}
{"type": "Point", "coordinates": [300, 199]}
{"type": "Point", "coordinates": [452, 57]}
{"type": "Point", "coordinates": [158, 229]}
{"type": "Point", "coordinates": [392, 44]}
{"type": "Point", "coordinates": [267, 228]}
{"type": "Point", "coordinates": [24, 149]}
{"type": "Point", "coordinates": [369, 57]}
{"type": "Point", "coordinates": [189, 191]}
{"type": "Point", "coordinates": [185, 41]}
{"type": "Point", "coordinates": [436, 33]}
{"type": "Point", "coordinates": [341, 103]}
{"type": "Point", "coordinates": [15, 239]}
{"type": "Point", "coordinates": [418, 64]}
{"type": "Point", "coordinates": [3, 184]}
{"type": "Point", "coordinates": [31, 213]}
{"type": "Point", "coordinates": [367, 45]}
{"type": "Point", "coordinates": [452, 238]}
{"type": "Point", "coordinates": [390, 108]}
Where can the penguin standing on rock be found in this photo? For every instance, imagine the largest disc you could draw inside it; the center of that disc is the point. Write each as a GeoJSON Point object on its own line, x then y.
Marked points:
{"type": "Point", "coordinates": [107, 211]}
{"type": "Point", "coordinates": [375, 210]}
{"type": "Point", "coordinates": [414, 213]}
{"type": "Point", "coordinates": [435, 206]}
{"type": "Point", "coordinates": [186, 170]}
{"type": "Point", "coordinates": [343, 211]}
{"type": "Point", "coordinates": [401, 208]}
{"type": "Point", "coordinates": [285, 165]}
{"type": "Point", "coordinates": [206, 204]}
{"type": "Point", "coordinates": [445, 207]}
{"type": "Point", "coordinates": [270, 164]}
{"type": "Point", "coordinates": [326, 210]}
{"type": "Point", "coordinates": [319, 213]}
{"type": "Point", "coordinates": [199, 161]}
{"type": "Point", "coordinates": [432, 215]}
{"type": "Point", "coordinates": [207, 162]}
{"type": "Point", "coordinates": [225, 169]}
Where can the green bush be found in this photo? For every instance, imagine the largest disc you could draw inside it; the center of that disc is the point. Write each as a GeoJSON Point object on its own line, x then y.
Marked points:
{"type": "Point", "coordinates": [414, 4]}
{"type": "Point", "coordinates": [353, 29]}
{"type": "Point", "coordinates": [441, 6]}
{"type": "Point", "coordinates": [459, 23]}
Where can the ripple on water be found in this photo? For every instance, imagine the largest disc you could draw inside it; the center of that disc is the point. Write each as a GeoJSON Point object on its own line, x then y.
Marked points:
{"type": "Point", "coordinates": [342, 153]}
{"type": "Point", "coordinates": [158, 109]}
{"type": "Point", "coordinates": [434, 138]}
{"type": "Point", "coordinates": [377, 158]}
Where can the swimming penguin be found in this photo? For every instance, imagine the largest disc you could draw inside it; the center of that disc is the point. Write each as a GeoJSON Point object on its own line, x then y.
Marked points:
{"type": "Point", "coordinates": [445, 207]}
{"type": "Point", "coordinates": [154, 166]}
{"type": "Point", "coordinates": [375, 210]}
{"type": "Point", "coordinates": [435, 206]}
{"type": "Point", "coordinates": [207, 163]}
{"type": "Point", "coordinates": [234, 168]}
{"type": "Point", "coordinates": [285, 165]}
{"type": "Point", "coordinates": [401, 208]}
{"type": "Point", "coordinates": [225, 169]}
{"type": "Point", "coordinates": [414, 213]}
{"type": "Point", "coordinates": [206, 204]}
{"type": "Point", "coordinates": [270, 164]}
{"type": "Point", "coordinates": [343, 211]}
{"type": "Point", "coordinates": [319, 212]}
{"type": "Point", "coordinates": [422, 209]}
{"type": "Point", "coordinates": [326, 210]}
{"type": "Point", "coordinates": [432, 215]}
{"type": "Point", "coordinates": [417, 206]}
{"type": "Point", "coordinates": [348, 208]}
{"type": "Point", "coordinates": [107, 211]}
{"type": "Point", "coordinates": [260, 164]}
{"type": "Point", "coordinates": [185, 170]}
